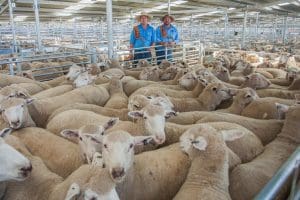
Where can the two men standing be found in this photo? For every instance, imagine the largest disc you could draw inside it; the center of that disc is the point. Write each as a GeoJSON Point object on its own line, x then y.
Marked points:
{"type": "Point", "coordinates": [144, 36]}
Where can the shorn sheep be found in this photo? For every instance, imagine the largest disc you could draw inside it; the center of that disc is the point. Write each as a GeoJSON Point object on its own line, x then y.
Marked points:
{"type": "Point", "coordinates": [208, 175]}
{"type": "Point", "coordinates": [248, 179]}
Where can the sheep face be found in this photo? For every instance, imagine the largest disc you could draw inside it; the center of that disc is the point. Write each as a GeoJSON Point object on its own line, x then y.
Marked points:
{"type": "Point", "coordinates": [153, 119]}
{"type": "Point", "coordinates": [221, 73]}
{"type": "Point", "coordinates": [83, 79]}
{"type": "Point", "coordinates": [74, 71]}
{"type": "Point", "coordinates": [15, 112]}
{"type": "Point", "coordinates": [89, 138]}
{"type": "Point", "coordinates": [256, 81]}
{"type": "Point", "coordinates": [218, 92]}
{"type": "Point", "coordinates": [188, 81]}
{"type": "Point", "coordinates": [205, 138]}
{"type": "Point", "coordinates": [246, 96]}
{"type": "Point", "coordinates": [118, 152]}
{"type": "Point", "coordinates": [13, 91]}
{"type": "Point", "coordinates": [143, 63]}
{"type": "Point", "coordinates": [137, 102]}
{"type": "Point", "coordinates": [73, 192]}
{"type": "Point", "coordinates": [169, 73]}
{"type": "Point", "coordinates": [151, 74]}
{"type": "Point", "coordinates": [18, 168]}
{"type": "Point", "coordinates": [292, 74]}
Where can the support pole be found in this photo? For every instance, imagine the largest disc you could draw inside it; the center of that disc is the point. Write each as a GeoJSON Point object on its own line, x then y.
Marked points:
{"type": "Point", "coordinates": [37, 24]}
{"type": "Point", "coordinates": [275, 29]}
{"type": "Point", "coordinates": [12, 25]}
{"type": "Point", "coordinates": [244, 29]}
{"type": "Point", "coordinates": [284, 29]}
{"type": "Point", "coordinates": [256, 25]}
{"type": "Point", "coordinates": [226, 29]}
{"type": "Point", "coordinates": [109, 28]}
{"type": "Point", "coordinates": [169, 7]}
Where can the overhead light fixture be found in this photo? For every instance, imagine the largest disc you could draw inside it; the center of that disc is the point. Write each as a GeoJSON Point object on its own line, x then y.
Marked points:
{"type": "Point", "coordinates": [165, 5]}
{"type": "Point", "coordinates": [231, 8]}
{"type": "Point", "coordinates": [283, 4]}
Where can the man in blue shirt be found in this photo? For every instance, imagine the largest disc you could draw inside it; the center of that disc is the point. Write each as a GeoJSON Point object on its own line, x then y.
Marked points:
{"type": "Point", "coordinates": [142, 38]}
{"type": "Point", "coordinates": [166, 38]}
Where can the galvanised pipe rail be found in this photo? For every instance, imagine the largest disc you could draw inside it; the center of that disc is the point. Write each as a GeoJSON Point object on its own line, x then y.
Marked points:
{"type": "Point", "coordinates": [272, 188]}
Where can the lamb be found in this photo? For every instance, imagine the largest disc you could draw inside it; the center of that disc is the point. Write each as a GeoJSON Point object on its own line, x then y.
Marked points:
{"type": "Point", "coordinates": [173, 93]}
{"type": "Point", "coordinates": [62, 80]}
{"type": "Point", "coordinates": [169, 73]}
{"type": "Point", "coordinates": [18, 168]}
{"type": "Point", "coordinates": [118, 98]}
{"type": "Point", "coordinates": [256, 81]}
{"type": "Point", "coordinates": [208, 175]}
{"type": "Point", "coordinates": [209, 99]}
{"type": "Point", "coordinates": [246, 148]}
{"type": "Point", "coordinates": [46, 185]}
{"type": "Point", "coordinates": [55, 91]}
{"type": "Point", "coordinates": [150, 73]}
{"type": "Point", "coordinates": [139, 180]}
{"type": "Point", "coordinates": [279, 93]}
{"type": "Point", "coordinates": [74, 71]}
{"type": "Point", "coordinates": [36, 139]}
{"type": "Point", "coordinates": [40, 110]}
{"type": "Point", "coordinates": [265, 108]}
{"type": "Point", "coordinates": [6, 80]}
{"type": "Point", "coordinates": [89, 138]}
{"type": "Point", "coordinates": [13, 91]}
{"type": "Point", "coordinates": [241, 100]}
{"type": "Point", "coordinates": [188, 81]}
{"type": "Point", "coordinates": [83, 79]}
{"type": "Point", "coordinates": [248, 179]}
{"type": "Point", "coordinates": [151, 121]}
{"type": "Point", "coordinates": [265, 130]}
{"type": "Point", "coordinates": [33, 88]}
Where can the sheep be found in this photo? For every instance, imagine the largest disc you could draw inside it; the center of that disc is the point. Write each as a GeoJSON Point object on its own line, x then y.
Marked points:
{"type": "Point", "coordinates": [13, 91]}
{"type": "Point", "coordinates": [40, 110]}
{"type": "Point", "coordinates": [118, 98]}
{"type": "Point", "coordinates": [175, 80]}
{"type": "Point", "coordinates": [113, 72]}
{"type": "Point", "coordinates": [256, 81]}
{"type": "Point", "coordinates": [150, 73]}
{"type": "Point", "coordinates": [169, 73]}
{"type": "Point", "coordinates": [26, 74]}
{"type": "Point", "coordinates": [14, 165]}
{"type": "Point", "coordinates": [246, 148]}
{"type": "Point", "coordinates": [122, 114]}
{"type": "Point", "coordinates": [140, 180]}
{"type": "Point", "coordinates": [83, 79]}
{"type": "Point", "coordinates": [150, 121]}
{"type": "Point", "coordinates": [265, 108]}
{"type": "Point", "coordinates": [6, 80]}
{"type": "Point", "coordinates": [74, 71]}
{"type": "Point", "coordinates": [89, 138]}
{"type": "Point", "coordinates": [295, 85]}
{"type": "Point", "coordinates": [173, 93]}
{"type": "Point", "coordinates": [279, 93]}
{"type": "Point", "coordinates": [55, 91]}
{"type": "Point", "coordinates": [133, 73]}
{"type": "Point", "coordinates": [208, 175]}
{"type": "Point", "coordinates": [241, 99]}
{"type": "Point", "coordinates": [265, 130]}
{"type": "Point", "coordinates": [188, 81]}
{"type": "Point", "coordinates": [62, 80]}
{"type": "Point", "coordinates": [209, 99]}
{"type": "Point", "coordinates": [46, 185]}
{"type": "Point", "coordinates": [247, 179]}
{"type": "Point", "coordinates": [60, 156]}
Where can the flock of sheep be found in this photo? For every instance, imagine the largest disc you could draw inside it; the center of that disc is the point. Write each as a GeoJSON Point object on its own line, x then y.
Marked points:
{"type": "Point", "coordinates": [217, 130]}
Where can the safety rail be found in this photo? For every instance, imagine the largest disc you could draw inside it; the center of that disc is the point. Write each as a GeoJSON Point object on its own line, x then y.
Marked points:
{"type": "Point", "coordinates": [290, 167]}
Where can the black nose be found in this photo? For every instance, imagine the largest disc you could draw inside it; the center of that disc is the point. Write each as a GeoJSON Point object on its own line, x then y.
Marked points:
{"type": "Point", "coordinates": [118, 172]}
{"type": "Point", "coordinates": [26, 170]}
{"type": "Point", "coordinates": [16, 123]}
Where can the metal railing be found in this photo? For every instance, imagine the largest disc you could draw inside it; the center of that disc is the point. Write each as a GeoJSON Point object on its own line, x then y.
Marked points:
{"type": "Point", "coordinates": [289, 168]}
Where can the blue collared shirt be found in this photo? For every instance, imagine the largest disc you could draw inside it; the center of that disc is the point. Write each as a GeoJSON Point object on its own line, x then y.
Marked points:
{"type": "Point", "coordinates": [146, 39]}
{"type": "Point", "coordinates": [172, 34]}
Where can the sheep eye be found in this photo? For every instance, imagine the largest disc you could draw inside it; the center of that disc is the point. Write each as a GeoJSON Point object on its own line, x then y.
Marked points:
{"type": "Point", "coordinates": [22, 105]}
{"type": "Point", "coordinates": [131, 145]}
{"type": "Point", "coordinates": [145, 117]}
{"type": "Point", "coordinates": [80, 138]}
{"type": "Point", "coordinates": [105, 146]}
{"type": "Point", "coordinates": [135, 106]}
{"type": "Point", "coordinates": [248, 96]}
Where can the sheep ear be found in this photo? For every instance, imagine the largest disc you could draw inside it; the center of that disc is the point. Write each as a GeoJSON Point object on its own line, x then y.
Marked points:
{"type": "Point", "coordinates": [29, 101]}
{"type": "Point", "coordinates": [136, 114]}
{"type": "Point", "coordinates": [200, 143]}
{"type": "Point", "coordinates": [230, 135]}
{"type": "Point", "coordinates": [107, 76]}
{"type": "Point", "coordinates": [281, 108]}
{"type": "Point", "coordinates": [68, 133]}
{"type": "Point", "coordinates": [170, 114]}
{"type": "Point", "coordinates": [233, 92]}
{"type": "Point", "coordinates": [110, 123]}
{"type": "Point", "coordinates": [142, 140]}
{"type": "Point", "coordinates": [5, 132]}
{"type": "Point", "coordinates": [22, 94]}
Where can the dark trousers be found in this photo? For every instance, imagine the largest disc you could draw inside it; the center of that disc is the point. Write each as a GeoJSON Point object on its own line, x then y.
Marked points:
{"type": "Point", "coordinates": [141, 54]}
{"type": "Point", "coordinates": [161, 54]}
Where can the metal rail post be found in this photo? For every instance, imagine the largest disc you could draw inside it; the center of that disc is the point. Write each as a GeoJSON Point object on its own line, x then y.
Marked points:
{"type": "Point", "coordinates": [109, 28]}
{"type": "Point", "coordinates": [37, 24]}
{"type": "Point", "coordinates": [226, 29]}
{"type": "Point", "coordinates": [257, 25]}
{"type": "Point", "coordinates": [284, 29]}
{"type": "Point", "coordinates": [12, 25]}
{"type": "Point", "coordinates": [244, 28]}
{"type": "Point", "coordinates": [275, 29]}
{"type": "Point", "coordinates": [169, 7]}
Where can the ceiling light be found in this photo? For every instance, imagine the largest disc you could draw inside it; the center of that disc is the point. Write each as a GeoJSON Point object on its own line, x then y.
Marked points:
{"type": "Point", "coordinates": [231, 8]}
{"type": "Point", "coordinates": [283, 4]}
